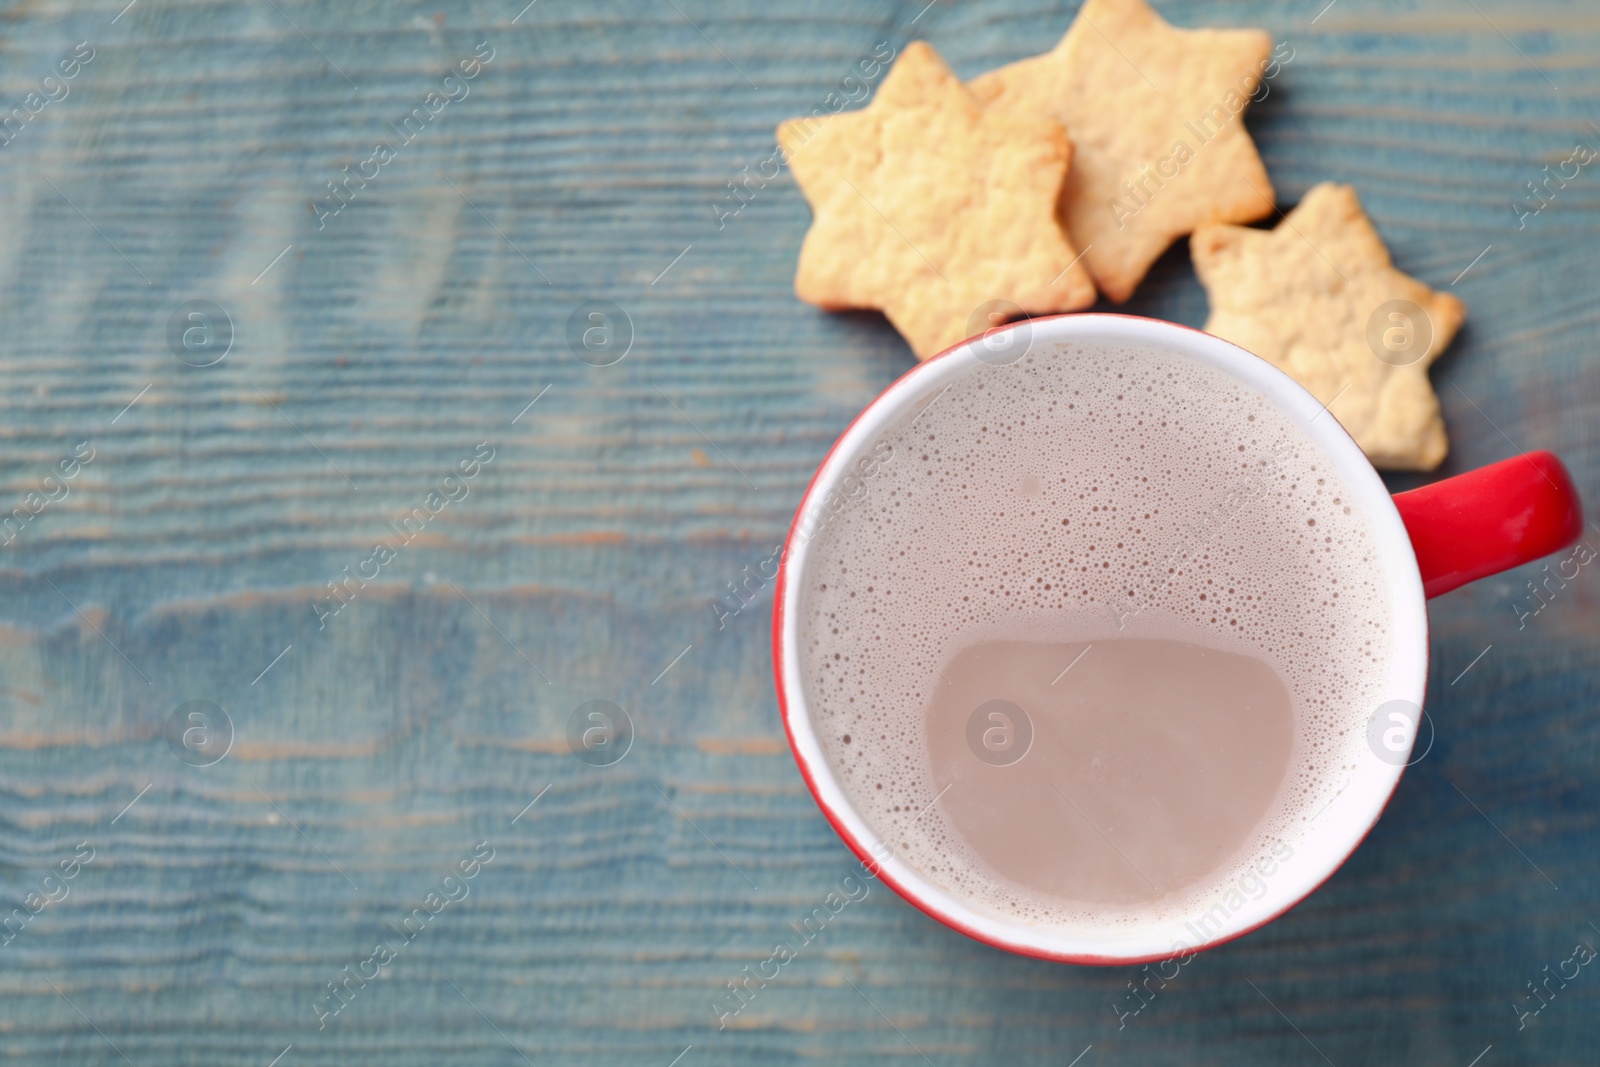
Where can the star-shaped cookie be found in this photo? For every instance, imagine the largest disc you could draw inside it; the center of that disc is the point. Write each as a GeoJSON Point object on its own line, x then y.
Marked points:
{"type": "Point", "coordinates": [1319, 298]}
{"type": "Point", "coordinates": [928, 208]}
{"type": "Point", "coordinates": [1155, 114]}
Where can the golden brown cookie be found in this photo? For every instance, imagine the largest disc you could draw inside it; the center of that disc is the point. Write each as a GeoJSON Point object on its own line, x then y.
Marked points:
{"type": "Point", "coordinates": [1155, 114]}
{"type": "Point", "coordinates": [927, 207]}
{"type": "Point", "coordinates": [1319, 298]}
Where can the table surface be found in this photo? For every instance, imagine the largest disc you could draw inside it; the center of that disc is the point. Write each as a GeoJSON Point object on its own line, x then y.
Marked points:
{"type": "Point", "coordinates": [376, 750]}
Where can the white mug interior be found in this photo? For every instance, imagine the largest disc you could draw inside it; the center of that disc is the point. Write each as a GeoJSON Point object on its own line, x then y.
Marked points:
{"type": "Point", "coordinates": [1330, 836]}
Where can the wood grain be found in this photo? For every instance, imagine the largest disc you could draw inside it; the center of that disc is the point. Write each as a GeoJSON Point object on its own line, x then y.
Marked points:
{"type": "Point", "coordinates": [421, 719]}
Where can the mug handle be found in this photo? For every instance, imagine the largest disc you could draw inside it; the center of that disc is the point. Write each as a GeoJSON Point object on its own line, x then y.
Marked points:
{"type": "Point", "coordinates": [1491, 519]}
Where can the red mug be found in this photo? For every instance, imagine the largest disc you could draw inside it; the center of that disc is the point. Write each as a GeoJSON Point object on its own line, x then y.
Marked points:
{"type": "Point", "coordinates": [1430, 541]}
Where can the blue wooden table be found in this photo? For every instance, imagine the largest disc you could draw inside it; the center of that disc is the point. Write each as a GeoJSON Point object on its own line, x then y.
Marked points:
{"type": "Point", "coordinates": [286, 692]}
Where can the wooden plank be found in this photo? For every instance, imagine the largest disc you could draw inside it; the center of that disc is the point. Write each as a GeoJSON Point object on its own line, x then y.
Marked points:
{"type": "Point", "coordinates": [373, 354]}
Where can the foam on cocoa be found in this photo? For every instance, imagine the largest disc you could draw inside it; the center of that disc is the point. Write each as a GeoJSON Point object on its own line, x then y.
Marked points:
{"type": "Point", "coordinates": [1078, 493]}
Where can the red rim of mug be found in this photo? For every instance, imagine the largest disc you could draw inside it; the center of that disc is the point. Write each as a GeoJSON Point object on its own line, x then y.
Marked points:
{"type": "Point", "coordinates": [864, 854]}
